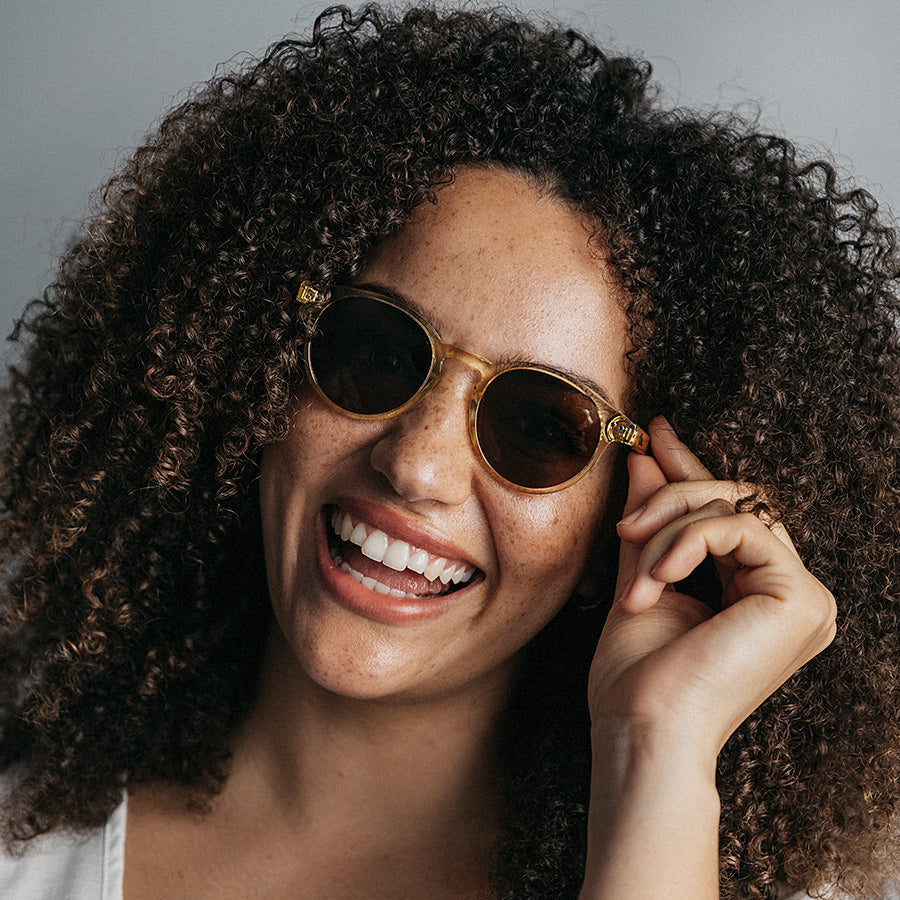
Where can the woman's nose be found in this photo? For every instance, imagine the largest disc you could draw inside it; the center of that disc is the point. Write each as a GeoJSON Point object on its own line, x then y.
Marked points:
{"type": "Point", "coordinates": [425, 452]}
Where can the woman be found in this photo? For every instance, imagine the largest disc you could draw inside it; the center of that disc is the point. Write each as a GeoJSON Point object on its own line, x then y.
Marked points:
{"type": "Point", "coordinates": [324, 608]}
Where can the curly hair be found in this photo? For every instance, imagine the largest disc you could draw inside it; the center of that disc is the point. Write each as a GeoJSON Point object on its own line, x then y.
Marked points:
{"type": "Point", "coordinates": [762, 302]}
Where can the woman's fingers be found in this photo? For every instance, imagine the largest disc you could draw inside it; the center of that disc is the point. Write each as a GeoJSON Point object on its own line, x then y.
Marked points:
{"type": "Point", "coordinates": [752, 557]}
{"type": "Point", "coordinates": [688, 487]}
{"type": "Point", "coordinates": [709, 676]}
{"type": "Point", "coordinates": [671, 501]}
{"type": "Point", "coordinates": [683, 484]}
{"type": "Point", "coordinates": [645, 478]}
{"type": "Point", "coordinates": [647, 581]}
{"type": "Point", "coordinates": [675, 458]}
{"type": "Point", "coordinates": [736, 659]}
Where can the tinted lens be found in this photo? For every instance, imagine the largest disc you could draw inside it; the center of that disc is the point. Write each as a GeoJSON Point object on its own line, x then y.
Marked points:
{"type": "Point", "coordinates": [536, 430]}
{"type": "Point", "coordinates": [368, 357]}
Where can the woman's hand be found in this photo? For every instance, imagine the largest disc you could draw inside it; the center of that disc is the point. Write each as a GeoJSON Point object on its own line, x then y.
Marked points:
{"type": "Point", "coordinates": [671, 680]}
{"type": "Point", "coordinates": [665, 655]}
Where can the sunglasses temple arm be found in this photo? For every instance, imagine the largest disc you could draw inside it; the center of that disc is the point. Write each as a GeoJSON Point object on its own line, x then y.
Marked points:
{"type": "Point", "coordinates": [309, 293]}
{"type": "Point", "coordinates": [621, 430]}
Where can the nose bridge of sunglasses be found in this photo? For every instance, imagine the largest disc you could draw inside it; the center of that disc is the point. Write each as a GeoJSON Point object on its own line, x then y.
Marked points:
{"type": "Point", "coordinates": [485, 368]}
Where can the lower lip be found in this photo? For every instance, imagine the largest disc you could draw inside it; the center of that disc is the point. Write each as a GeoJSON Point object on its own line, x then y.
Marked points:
{"type": "Point", "coordinates": [350, 594]}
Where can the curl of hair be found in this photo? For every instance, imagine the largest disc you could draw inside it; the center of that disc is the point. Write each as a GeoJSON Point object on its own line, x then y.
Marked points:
{"type": "Point", "coordinates": [762, 301]}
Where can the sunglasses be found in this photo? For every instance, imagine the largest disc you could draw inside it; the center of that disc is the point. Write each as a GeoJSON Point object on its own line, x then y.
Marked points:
{"type": "Point", "coordinates": [536, 429]}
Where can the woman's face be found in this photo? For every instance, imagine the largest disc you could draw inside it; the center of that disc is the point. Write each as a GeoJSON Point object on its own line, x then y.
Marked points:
{"type": "Point", "coordinates": [505, 273]}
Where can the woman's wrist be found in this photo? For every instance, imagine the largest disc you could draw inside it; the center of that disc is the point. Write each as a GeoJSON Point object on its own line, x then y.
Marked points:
{"type": "Point", "coordinates": [654, 813]}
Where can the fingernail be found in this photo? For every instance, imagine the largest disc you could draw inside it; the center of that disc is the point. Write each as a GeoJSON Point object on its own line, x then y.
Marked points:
{"type": "Point", "coordinates": [632, 517]}
{"type": "Point", "coordinates": [659, 563]}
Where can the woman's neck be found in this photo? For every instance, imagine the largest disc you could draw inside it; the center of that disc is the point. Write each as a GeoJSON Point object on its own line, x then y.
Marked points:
{"type": "Point", "coordinates": [389, 765]}
{"type": "Point", "coordinates": [329, 796]}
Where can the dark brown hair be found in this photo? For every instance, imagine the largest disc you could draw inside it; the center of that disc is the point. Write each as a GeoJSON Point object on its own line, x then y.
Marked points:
{"type": "Point", "coordinates": [762, 301]}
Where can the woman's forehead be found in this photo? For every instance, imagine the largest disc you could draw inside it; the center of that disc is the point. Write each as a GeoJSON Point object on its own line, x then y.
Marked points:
{"type": "Point", "coordinates": [505, 271]}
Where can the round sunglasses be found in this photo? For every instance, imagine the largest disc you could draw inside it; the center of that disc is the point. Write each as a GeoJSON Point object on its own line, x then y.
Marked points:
{"type": "Point", "coordinates": [536, 429]}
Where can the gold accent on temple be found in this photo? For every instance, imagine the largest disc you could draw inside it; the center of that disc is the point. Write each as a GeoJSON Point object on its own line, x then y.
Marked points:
{"type": "Point", "coordinates": [309, 293]}
{"type": "Point", "coordinates": [622, 430]}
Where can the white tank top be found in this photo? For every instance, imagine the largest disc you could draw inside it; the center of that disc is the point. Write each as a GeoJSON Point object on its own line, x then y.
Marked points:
{"type": "Point", "coordinates": [58, 866]}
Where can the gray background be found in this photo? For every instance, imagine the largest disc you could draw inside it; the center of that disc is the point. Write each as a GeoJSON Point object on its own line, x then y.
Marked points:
{"type": "Point", "coordinates": [83, 81]}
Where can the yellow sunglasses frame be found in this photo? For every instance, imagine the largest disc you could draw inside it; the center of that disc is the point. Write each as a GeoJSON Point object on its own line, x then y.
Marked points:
{"type": "Point", "coordinates": [616, 429]}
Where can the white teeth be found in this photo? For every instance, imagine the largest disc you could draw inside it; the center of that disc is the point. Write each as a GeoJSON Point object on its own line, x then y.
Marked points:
{"type": "Point", "coordinates": [434, 568]}
{"type": "Point", "coordinates": [417, 562]}
{"type": "Point", "coordinates": [395, 554]}
{"type": "Point", "coordinates": [374, 585]}
{"type": "Point", "coordinates": [375, 546]}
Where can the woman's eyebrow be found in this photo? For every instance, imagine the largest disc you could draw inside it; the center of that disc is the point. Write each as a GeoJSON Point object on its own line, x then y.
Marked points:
{"type": "Point", "coordinates": [506, 359]}
{"type": "Point", "coordinates": [402, 300]}
{"type": "Point", "coordinates": [513, 359]}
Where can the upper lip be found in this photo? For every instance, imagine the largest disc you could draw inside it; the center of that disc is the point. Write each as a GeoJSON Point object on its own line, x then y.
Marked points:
{"type": "Point", "coordinates": [395, 525]}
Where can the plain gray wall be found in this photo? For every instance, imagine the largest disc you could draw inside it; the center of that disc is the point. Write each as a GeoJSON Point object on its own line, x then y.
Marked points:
{"type": "Point", "coordinates": [83, 81]}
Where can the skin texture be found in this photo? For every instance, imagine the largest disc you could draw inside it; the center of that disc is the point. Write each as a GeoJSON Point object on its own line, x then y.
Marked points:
{"type": "Point", "coordinates": [760, 297]}
{"type": "Point", "coordinates": [480, 262]}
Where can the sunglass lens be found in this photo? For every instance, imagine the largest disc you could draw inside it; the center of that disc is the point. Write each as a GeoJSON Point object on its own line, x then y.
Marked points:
{"type": "Point", "coordinates": [368, 357]}
{"type": "Point", "coordinates": [536, 430]}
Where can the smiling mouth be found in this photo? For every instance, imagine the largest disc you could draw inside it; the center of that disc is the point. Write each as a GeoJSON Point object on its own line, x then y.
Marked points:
{"type": "Point", "coordinates": [389, 565]}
